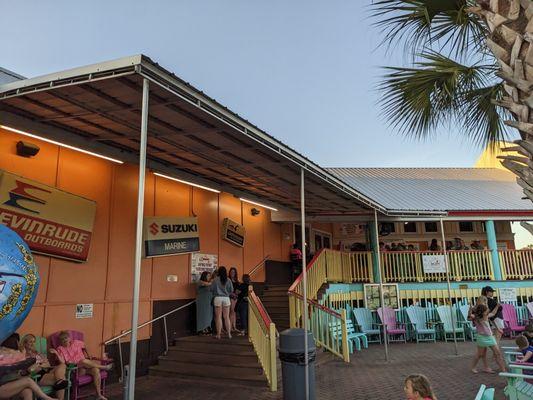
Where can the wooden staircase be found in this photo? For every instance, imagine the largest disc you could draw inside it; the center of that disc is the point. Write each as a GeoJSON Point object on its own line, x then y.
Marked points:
{"type": "Point", "coordinates": [276, 302]}
{"type": "Point", "coordinates": [208, 360]}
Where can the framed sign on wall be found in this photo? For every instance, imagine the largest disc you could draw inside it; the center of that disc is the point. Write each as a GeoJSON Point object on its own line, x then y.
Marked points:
{"type": "Point", "coordinates": [166, 236]}
{"type": "Point", "coordinates": [391, 296]}
{"type": "Point", "coordinates": [233, 232]}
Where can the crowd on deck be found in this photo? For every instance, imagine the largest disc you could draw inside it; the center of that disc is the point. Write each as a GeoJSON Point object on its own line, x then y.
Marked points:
{"type": "Point", "coordinates": [455, 244]}
{"type": "Point", "coordinates": [222, 303]}
{"type": "Point", "coordinates": [32, 370]}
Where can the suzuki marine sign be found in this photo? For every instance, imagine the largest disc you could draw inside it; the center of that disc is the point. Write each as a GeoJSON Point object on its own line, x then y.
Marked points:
{"type": "Point", "coordinates": [165, 236]}
{"type": "Point", "coordinates": [50, 221]}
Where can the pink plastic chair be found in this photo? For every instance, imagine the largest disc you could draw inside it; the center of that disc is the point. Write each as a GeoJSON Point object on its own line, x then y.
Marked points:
{"type": "Point", "coordinates": [78, 381]}
{"type": "Point", "coordinates": [512, 324]}
{"type": "Point", "coordinates": [395, 330]}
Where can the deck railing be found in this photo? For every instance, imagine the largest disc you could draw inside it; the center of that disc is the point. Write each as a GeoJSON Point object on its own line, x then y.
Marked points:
{"type": "Point", "coordinates": [262, 334]}
{"type": "Point", "coordinates": [407, 266]}
{"type": "Point", "coordinates": [516, 264]}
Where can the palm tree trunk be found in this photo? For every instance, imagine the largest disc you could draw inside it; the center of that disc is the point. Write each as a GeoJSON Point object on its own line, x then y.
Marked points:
{"type": "Point", "coordinates": [510, 39]}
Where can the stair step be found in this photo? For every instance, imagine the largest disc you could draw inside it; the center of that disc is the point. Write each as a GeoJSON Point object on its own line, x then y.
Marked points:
{"type": "Point", "coordinates": [203, 381]}
{"type": "Point", "coordinates": [219, 348]}
{"type": "Point", "coordinates": [228, 364]}
{"type": "Point", "coordinates": [276, 309]}
{"type": "Point", "coordinates": [214, 372]}
{"type": "Point", "coordinates": [249, 360]}
{"type": "Point", "coordinates": [234, 341]}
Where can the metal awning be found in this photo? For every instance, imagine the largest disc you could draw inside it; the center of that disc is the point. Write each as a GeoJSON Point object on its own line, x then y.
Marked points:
{"type": "Point", "coordinates": [191, 136]}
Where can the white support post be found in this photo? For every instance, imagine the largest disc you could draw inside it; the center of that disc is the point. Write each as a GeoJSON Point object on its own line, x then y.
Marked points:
{"type": "Point", "coordinates": [452, 314]}
{"type": "Point", "coordinates": [304, 280]}
{"type": "Point", "coordinates": [138, 241]}
{"type": "Point", "coordinates": [382, 298]}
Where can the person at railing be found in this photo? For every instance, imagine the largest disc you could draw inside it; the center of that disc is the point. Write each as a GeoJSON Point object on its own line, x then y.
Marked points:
{"type": "Point", "coordinates": [45, 374]}
{"type": "Point", "coordinates": [204, 306]}
{"type": "Point", "coordinates": [528, 333]}
{"type": "Point", "coordinates": [393, 247]}
{"type": "Point", "coordinates": [222, 288]}
{"type": "Point", "coordinates": [476, 245]}
{"type": "Point", "coordinates": [417, 387]}
{"type": "Point", "coordinates": [498, 325]}
{"type": "Point", "coordinates": [234, 277]}
{"type": "Point", "coordinates": [242, 303]}
{"type": "Point", "coordinates": [411, 247]}
{"type": "Point", "coordinates": [434, 246]}
{"type": "Point", "coordinates": [74, 352]}
{"type": "Point", "coordinates": [459, 244]}
{"type": "Point", "coordinates": [296, 261]}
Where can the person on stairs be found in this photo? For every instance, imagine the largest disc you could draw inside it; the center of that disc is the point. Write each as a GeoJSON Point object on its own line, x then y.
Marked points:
{"type": "Point", "coordinates": [222, 288]}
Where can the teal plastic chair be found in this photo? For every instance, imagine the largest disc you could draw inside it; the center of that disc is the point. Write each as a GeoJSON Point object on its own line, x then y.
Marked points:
{"type": "Point", "coordinates": [485, 393]}
{"type": "Point", "coordinates": [357, 339]}
{"type": "Point", "coordinates": [366, 325]}
{"type": "Point", "coordinates": [447, 324]}
{"type": "Point", "coordinates": [468, 325]}
{"type": "Point", "coordinates": [423, 329]}
{"type": "Point", "coordinates": [517, 386]}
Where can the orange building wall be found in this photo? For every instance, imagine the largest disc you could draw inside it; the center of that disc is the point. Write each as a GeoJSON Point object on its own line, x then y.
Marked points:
{"type": "Point", "coordinates": [106, 279]}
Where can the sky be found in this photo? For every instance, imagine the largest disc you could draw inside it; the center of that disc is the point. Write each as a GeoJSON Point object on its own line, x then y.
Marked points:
{"type": "Point", "coordinates": [304, 71]}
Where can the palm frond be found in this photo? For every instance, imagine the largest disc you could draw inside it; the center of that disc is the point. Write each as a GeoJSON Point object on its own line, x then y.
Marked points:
{"type": "Point", "coordinates": [439, 24]}
{"type": "Point", "coordinates": [438, 91]}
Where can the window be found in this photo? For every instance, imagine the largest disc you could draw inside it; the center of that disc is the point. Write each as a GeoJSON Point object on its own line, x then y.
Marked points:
{"type": "Point", "coordinates": [430, 227]}
{"type": "Point", "coordinates": [386, 228]}
{"type": "Point", "coordinates": [409, 227]}
{"type": "Point", "coordinates": [465, 226]}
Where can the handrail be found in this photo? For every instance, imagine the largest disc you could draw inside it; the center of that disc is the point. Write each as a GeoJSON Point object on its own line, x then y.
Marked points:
{"type": "Point", "coordinates": [256, 268]}
{"type": "Point", "coordinates": [307, 268]}
{"type": "Point", "coordinates": [433, 251]}
{"type": "Point", "coordinates": [317, 305]}
{"type": "Point", "coordinates": [261, 308]}
{"type": "Point", "coordinates": [125, 333]}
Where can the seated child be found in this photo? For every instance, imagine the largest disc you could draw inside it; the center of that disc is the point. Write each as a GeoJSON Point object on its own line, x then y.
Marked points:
{"type": "Point", "coordinates": [417, 387]}
{"type": "Point", "coordinates": [74, 352]}
{"type": "Point", "coordinates": [528, 333]}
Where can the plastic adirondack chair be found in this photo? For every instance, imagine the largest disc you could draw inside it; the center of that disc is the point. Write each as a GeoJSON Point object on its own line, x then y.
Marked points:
{"type": "Point", "coordinates": [423, 330]}
{"type": "Point", "coordinates": [363, 320]}
{"type": "Point", "coordinates": [78, 381]}
{"type": "Point", "coordinates": [512, 323]}
{"type": "Point", "coordinates": [447, 323]}
{"type": "Point", "coordinates": [517, 386]}
{"type": "Point", "coordinates": [529, 307]}
{"type": "Point", "coordinates": [358, 339]}
{"type": "Point", "coordinates": [468, 325]}
{"type": "Point", "coordinates": [484, 393]}
{"type": "Point", "coordinates": [396, 331]}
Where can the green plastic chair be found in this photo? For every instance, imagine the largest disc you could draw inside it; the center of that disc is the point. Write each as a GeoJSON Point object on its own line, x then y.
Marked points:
{"type": "Point", "coordinates": [364, 322]}
{"type": "Point", "coordinates": [467, 324]}
{"type": "Point", "coordinates": [517, 386]}
{"type": "Point", "coordinates": [447, 324]}
{"type": "Point", "coordinates": [354, 338]}
{"type": "Point", "coordinates": [485, 393]}
{"type": "Point", "coordinates": [424, 332]}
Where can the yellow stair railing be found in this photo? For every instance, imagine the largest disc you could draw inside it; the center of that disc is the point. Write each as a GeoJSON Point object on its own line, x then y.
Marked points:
{"type": "Point", "coordinates": [262, 333]}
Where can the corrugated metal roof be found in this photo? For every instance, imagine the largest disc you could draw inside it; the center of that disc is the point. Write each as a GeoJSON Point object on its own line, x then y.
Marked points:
{"type": "Point", "coordinates": [7, 76]}
{"type": "Point", "coordinates": [438, 189]}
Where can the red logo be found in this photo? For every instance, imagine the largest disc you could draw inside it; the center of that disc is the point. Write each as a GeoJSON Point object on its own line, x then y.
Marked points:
{"type": "Point", "coordinates": [20, 193]}
{"type": "Point", "coordinates": [154, 228]}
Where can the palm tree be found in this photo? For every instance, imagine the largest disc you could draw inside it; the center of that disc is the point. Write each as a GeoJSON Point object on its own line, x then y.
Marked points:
{"type": "Point", "coordinates": [471, 66]}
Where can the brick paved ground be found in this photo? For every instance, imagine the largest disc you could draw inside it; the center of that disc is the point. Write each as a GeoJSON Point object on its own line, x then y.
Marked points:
{"type": "Point", "coordinates": [366, 377]}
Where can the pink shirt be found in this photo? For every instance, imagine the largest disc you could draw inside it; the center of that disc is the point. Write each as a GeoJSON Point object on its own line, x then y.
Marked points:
{"type": "Point", "coordinates": [74, 353]}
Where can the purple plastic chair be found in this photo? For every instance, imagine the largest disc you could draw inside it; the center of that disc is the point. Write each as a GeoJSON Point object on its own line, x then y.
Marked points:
{"type": "Point", "coordinates": [396, 331]}
{"type": "Point", "coordinates": [78, 381]}
{"type": "Point", "coordinates": [512, 324]}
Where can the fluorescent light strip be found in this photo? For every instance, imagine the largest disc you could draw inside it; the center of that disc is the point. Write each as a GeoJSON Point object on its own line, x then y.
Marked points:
{"type": "Point", "coordinates": [61, 144]}
{"type": "Point", "coordinates": [258, 204]}
{"type": "Point", "coordinates": [187, 183]}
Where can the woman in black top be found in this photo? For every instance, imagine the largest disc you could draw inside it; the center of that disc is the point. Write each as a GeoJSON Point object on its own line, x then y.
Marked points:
{"type": "Point", "coordinates": [242, 303]}
{"type": "Point", "coordinates": [496, 321]}
{"type": "Point", "coordinates": [234, 277]}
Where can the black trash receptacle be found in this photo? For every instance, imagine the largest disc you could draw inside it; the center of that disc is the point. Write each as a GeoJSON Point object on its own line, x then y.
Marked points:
{"type": "Point", "coordinates": [292, 357]}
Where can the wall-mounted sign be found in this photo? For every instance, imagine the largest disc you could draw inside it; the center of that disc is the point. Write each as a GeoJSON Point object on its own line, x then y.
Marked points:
{"type": "Point", "coordinates": [507, 295]}
{"type": "Point", "coordinates": [233, 232]}
{"type": "Point", "coordinates": [172, 278]}
{"type": "Point", "coordinates": [165, 236]}
{"type": "Point", "coordinates": [391, 296]}
{"type": "Point", "coordinates": [84, 311]}
{"type": "Point", "coordinates": [202, 262]}
{"type": "Point", "coordinates": [433, 264]}
{"type": "Point", "coordinates": [50, 221]}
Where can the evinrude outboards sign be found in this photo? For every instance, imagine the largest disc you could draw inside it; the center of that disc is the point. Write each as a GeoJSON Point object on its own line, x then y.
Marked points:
{"type": "Point", "coordinates": [165, 236]}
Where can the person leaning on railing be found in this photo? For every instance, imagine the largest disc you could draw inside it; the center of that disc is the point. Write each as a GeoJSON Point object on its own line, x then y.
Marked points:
{"type": "Point", "coordinates": [242, 303]}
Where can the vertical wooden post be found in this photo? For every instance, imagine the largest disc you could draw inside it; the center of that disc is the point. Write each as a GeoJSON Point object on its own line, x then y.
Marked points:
{"type": "Point", "coordinates": [292, 312]}
{"type": "Point", "coordinates": [345, 349]}
{"type": "Point", "coordinates": [273, 359]}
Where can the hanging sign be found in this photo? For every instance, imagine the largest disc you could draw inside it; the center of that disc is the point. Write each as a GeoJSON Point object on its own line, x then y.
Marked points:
{"type": "Point", "coordinates": [202, 262]}
{"type": "Point", "coordinates": [50, 221]}
{"type": "Point", "coordinates": [233, 232]}
{"type": "Point", "coordinates": [507, 295]}
{"type": "Point", "coordinates": [84, 311]}
{"type": "Point", "coordinates": [433, 264]}
{"type": "Point", "coordinates": [165, 236]}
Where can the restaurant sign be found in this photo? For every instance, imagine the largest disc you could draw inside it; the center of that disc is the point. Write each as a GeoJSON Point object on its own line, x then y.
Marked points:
{"type": "Point", "coordinates": [165, 236]}
{"type": "Point", "coordinates": [51, 221]}
{"type": "Point", "coordinates": [233, 232]}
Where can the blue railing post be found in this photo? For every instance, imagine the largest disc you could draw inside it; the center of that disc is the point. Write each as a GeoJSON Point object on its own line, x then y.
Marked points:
{"type": "Point", "coordinates": [493, 247]}
{"type": "Point", "coordinates": [375, 246]}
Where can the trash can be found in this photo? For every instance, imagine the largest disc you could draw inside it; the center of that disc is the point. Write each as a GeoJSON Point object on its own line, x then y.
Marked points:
{"type": "Point", "coordinates": [292, 357]}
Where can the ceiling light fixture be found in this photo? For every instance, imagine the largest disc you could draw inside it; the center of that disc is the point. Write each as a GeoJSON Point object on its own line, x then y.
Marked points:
{"type": "Point", "coordinates": [61, 144]}
{"type": "Point", "coordinates": [258, 204]}
{"type": "Point", "coordinates": [187, 183]}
